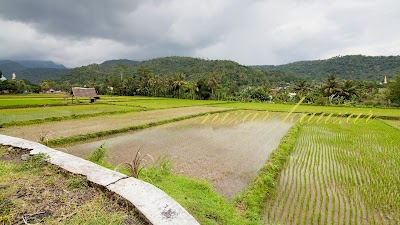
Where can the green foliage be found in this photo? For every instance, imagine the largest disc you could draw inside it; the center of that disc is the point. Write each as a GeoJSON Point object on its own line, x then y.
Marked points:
{"type": "Point", "coordinates": [76, 182]}
{"type": "Point", "coordinates": [36, 161]}
{"type": "Point", "coordinates": [198, 197]}
{"type": "Point", "coordinates": [394, 90]}
{"type": "Point", "coordinates": [351, 67]}
{"type": "Point", "coordinates": [167, 76]}
{"type": "Point", "coordinates": [99, 155]}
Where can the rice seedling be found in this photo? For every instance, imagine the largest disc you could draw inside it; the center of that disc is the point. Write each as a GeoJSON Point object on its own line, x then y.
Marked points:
{"type": "Point", "coordinates": [346, 175]}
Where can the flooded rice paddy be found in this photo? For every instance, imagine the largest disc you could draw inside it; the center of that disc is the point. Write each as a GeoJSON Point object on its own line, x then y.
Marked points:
{"type": "Point", "coordinates": [107, 122]}
{"type": "Point", "coordinates": [227, 153]}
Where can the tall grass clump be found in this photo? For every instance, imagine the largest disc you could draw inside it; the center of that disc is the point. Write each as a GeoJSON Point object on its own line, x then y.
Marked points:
{"type": "Point", "coordinates": [99, 155]}
{"type": "Point", "coordinates": [135, 167]}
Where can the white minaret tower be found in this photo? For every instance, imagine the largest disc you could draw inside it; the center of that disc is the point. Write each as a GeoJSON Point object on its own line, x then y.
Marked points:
{"type": "Point", "coordinates": [385, 80]}
{"type": "Point", "coordinates": [14, 76]}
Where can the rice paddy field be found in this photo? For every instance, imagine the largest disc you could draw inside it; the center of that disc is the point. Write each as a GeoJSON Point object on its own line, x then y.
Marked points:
{"type": "Point", "coordinates": [37, 113]}
{"type": "Point", "coordinates": [232, 162]}
{"type": "Point", "coordinates": [340, 174]}
{"type": "Point", "coordinates": [228, 155]}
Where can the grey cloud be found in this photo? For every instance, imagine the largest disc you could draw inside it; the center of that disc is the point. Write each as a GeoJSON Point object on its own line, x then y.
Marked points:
{"type": "Point", "coordinates": [250, 32]}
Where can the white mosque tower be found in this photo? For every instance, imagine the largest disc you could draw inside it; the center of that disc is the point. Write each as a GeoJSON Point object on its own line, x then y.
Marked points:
{"type": "Point", "coordinates": [14, 76]}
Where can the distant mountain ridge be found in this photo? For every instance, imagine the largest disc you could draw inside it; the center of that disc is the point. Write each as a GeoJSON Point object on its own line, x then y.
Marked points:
{"type": "Point", "coordinates": [354, 67]}
{"type": "Point", "coordinates": [40, 64]}
{"type": "Point", "coordinates": [229, 72]}
{"type": "Point", "coordinates": [32, 70]}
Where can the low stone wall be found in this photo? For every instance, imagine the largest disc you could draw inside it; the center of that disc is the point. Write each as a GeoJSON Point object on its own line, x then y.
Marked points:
{"type": "Point", "coordinates": [154, 204]}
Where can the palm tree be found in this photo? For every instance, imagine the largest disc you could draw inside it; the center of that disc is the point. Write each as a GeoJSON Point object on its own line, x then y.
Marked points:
{"type": "Point", "coordinates": [302, 87]}
{"type": "Point", "coordinates": [213, 82]}
{"type": "Point", "coordinates": [332, 86]}
{"type": "Point", "coordinates": [349, 89]}
{"type": "Point", "coordinates": [179, 80]}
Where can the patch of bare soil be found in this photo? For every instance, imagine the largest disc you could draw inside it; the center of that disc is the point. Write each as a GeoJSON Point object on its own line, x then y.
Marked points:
{"type": "Point", "coordinates": [227, 155]}
{"type": "Point", "coordinates": [32, 193]}
{"type": "Point", "coordinates": [106, 122]}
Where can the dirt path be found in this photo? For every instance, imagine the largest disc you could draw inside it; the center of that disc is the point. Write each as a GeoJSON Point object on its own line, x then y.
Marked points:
{"type": "Point", "coordinates": [228, 156]}
{"type": "Point", "coordinates": [108, 122]}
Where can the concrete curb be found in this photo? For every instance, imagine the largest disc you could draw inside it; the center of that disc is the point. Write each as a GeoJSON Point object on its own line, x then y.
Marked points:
{"type": "Point", "coordinates": [155, 205]}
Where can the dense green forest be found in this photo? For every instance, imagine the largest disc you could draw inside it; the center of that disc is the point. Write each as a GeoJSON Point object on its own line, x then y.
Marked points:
{"type": "Point", "coordinates": [229, 72]}
{"type": "Point", "coordinates": [354, 67]}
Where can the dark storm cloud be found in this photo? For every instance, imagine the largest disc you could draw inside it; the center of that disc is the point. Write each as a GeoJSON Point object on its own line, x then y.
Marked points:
{"type": "Point", "coordinates": [250, 32]}
{"type": "Point", "coordinates": [70, 18]}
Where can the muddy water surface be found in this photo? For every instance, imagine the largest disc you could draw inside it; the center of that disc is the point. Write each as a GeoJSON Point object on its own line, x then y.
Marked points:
{"type": "Point", "coordinates": [228, 155]}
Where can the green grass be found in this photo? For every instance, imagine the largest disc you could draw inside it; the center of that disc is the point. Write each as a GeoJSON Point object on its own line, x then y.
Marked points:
{"type": "Point", "coordinates": [21, 103]}
{"type": "Point", "coordinates": [24, 116]}
{"type": "Point", "coordinates": [196, 196]}
{"type": "Point", "coordinates": [32, 96]}
{"type": "Point", "coordinates": [98, 156]}
{"type": "Point", "coordinates": [37, 192]}
{"type": "Point", "coordinates": [395, 123]}
{"type": "Point", "coordinates": [162, 103]}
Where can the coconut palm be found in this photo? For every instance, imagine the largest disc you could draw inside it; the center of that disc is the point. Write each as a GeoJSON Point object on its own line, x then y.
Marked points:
{"type": "Point", "coordinates": [332, 86]}
{"type": "Point", "coordinates": [349, 89]}
{"type": "Point", "coordinates": [302, 87]}
{"type": "Point", "coordinates": [213, 82]}
{"type": "Point", "coordinates": [178, 81]}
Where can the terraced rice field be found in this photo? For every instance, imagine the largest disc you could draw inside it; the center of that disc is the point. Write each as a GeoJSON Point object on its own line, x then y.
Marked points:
{"type": "Point", "coordinates": [25, 114]}
{"type": "Point", "coordinates": [228, 155]}
{"type": "Point", "coordinates": [100, 123]}
{"type": "Point", "coordinates": [376, 112]}
{"type": "Point", "coordinates": [340, 174]}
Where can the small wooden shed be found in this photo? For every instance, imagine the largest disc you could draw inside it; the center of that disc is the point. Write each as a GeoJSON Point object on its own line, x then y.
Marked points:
{"type": "Point", "coordinates": [78, 92]}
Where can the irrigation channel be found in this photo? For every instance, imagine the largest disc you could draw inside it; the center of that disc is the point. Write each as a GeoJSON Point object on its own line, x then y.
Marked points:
{"type": "Point", "coordinates": [227, 153]}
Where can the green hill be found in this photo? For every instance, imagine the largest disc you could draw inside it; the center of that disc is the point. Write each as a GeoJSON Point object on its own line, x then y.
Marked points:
{"type": "Point", "coordinates": [32, 70]}
{"type": "Point", "coordinates": [355, 67]}
{"type": "Point", "coordinates": [228, 71]}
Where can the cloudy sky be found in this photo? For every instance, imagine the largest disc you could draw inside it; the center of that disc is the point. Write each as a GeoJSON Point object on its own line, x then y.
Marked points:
{"type": "Point", "coordinates": [79, 32]}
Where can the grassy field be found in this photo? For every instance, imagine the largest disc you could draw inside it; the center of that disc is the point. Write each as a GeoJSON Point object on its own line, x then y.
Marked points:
{"type": "Point", "coordinates": [34, 192]}
{"type": "Point", "coordinates": [42, 113]}
{"type": "Point", "coordinates": [162, 103]}
{"type": "Point", "coordinates": [340, 174]}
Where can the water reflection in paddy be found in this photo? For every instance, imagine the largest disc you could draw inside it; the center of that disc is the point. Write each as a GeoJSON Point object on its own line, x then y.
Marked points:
{"type": "Point", "coordinates": [226, 154]}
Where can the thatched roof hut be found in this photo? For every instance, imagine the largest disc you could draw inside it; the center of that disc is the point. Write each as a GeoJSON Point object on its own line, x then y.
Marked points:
{"type": "Point", "coordinates": [84, 93]}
